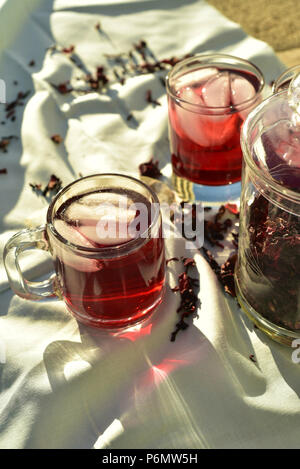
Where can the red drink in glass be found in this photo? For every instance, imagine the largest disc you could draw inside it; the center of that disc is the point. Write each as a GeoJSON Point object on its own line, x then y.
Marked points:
{"type": "Point", "coordinates": [209, 98]}
{"type": "Point", "coordinates": [104, 234]}
{"type": "Point", "coordinates": [115, 287]}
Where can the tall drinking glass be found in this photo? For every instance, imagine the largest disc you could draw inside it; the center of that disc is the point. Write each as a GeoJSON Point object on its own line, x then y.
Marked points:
{"type": "Point", "coordinates": [209, 97]}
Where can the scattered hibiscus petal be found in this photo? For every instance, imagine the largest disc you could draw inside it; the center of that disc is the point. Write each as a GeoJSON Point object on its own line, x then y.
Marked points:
{"type": "Point", "coordinates": [101, 76]}
{"type": "Point", "coordinates": [53, 186]}
{"type": "Point", "coordinates": [212, 262]}
{"type": "Point", "coordinates": [4, 142]}
{"type": "Point", "coordinates": [56, 138]}
{"type": "Point", "coordinates": [140, 48]}
{"type": "Point", "coordinates": [180, 326]}
{"type": "Point", "coordinates": [35, 187]}
{"type": "Point", "coordinates": [68, 50]}
{"type": "Point", "coordinates": [150, 99]}
{"type": "Point", "coordinates": [227, 274]}
{"type": "Point", "coordinates": [188, 299]}
{"type": "Point", "coordinates": [188, 262]}
{"type": "Point", "coordinates": [63, 88]}
{"type": "Point", "coordinates": [232, 208]}
{"type": "Point", "coordinates": [10, 108]}
{"type": "Point", "coordinates": [98, 81]}
{"type": "Point", "coordinates": [215, 229]}
{"type": "Point", "coordinates": [174, 60]}
{"type": "Point", "coordinates": [150, 169]}
{"type": "Point", "coordinates": [252, 358]}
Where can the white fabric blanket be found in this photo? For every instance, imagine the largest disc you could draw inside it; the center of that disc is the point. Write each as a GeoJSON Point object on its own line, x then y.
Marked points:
{"type": "Point", "coordinates": [69, 386]}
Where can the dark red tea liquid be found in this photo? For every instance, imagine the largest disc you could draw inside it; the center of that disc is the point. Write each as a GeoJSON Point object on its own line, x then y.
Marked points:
{"type": "Point", "coordinates": [121, 282]}
{"type": "Point", "coordinates": [205, 146]}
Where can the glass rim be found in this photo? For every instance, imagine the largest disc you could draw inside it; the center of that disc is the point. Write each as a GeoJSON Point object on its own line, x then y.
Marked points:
{"type": "Point", "coordinates": [247, 127]}
{"type": "Point", "coordinates": [117, 248]}
{"type": "Point", "coordinates": [196, 57]}
{"type": "Point", "coordinates": [280, 80]}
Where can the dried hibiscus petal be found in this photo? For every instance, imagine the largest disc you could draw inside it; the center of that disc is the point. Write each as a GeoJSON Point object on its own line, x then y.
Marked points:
{"type": "Point", "coordinates": [53, 186]}
{"type": "Point", "coordinates": [252, 358]}
{"type": "Point", "coordinates": [189, 262]}
{"type": "Point", "coordinates": [68, 50]}
{"type": "Point", "coordinates": [227, 274]}
{"type": "Point", "coordinates": [215, 229]}
{"type": "Point", "coordinates": [232, 208]}
{"type": "Point", "coordinates": [188, 299]}
{"type": "Point", "coordinates": [150, 99]}
{"type": "Point", "coordinates": [63, 88]}
{"type": "Point", "coordinates": [5, 141]}
{"type": "Point", "coordinates": [10, 107]}
{"type": "Point", "coordinates": [56, 138]}
{"type": "Point", "coordinates": [150, 169]}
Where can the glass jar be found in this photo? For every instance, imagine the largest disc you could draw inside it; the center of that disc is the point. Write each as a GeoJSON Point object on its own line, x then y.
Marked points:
{"type": "Point", "coordinates": [267, 272]}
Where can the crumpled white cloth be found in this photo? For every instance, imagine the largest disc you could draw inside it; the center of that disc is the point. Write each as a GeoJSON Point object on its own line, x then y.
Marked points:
{"type": "Point", "coordinates": [68, 386]}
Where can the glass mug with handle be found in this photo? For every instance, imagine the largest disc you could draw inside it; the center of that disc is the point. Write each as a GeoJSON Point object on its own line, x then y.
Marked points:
{"type": "Point", "coordinates": [104, 233]}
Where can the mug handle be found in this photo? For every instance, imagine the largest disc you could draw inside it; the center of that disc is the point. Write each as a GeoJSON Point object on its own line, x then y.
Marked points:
{"type": "Point", "coordinates": [20, 242]}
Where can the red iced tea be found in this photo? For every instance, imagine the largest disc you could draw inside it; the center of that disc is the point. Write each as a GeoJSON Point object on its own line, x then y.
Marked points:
{"type": "Point", "coordinates": [207, 108]}
{"type": "Point", "coordinates": [121, 281]}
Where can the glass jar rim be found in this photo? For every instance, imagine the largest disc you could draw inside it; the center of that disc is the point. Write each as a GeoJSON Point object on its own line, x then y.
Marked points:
{"type": "Point", "coordinates": [283, 77]}
{"type": "Point", "coordinates": [113, 250]}
{"type": "Point", "coordinates": [219, 57]}
{"type": "Point", "coordinates": [248, 126]}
